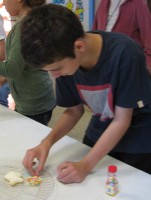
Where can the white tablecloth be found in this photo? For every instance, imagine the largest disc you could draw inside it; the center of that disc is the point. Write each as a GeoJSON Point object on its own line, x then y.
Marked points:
{"type": "Point", "coordinates": [19, 133]}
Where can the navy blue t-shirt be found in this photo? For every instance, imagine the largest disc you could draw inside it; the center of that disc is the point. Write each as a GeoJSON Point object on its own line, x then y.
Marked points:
{"type": "Point", "coordinates": [119, 78]}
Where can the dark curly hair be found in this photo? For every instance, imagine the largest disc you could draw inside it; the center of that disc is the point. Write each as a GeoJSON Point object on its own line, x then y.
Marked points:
{"type": "Point", "coordinates": [34, 3]}
{"type": "Point", "coordinates": [48, 34]}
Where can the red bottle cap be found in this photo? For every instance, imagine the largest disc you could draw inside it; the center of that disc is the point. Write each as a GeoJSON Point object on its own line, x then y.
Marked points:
{"type": "Point", "coordinates": [112, 168]}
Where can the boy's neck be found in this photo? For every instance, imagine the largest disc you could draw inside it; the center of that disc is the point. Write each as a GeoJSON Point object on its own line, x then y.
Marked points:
{"type": "Point", "coordinates": [93, 50]}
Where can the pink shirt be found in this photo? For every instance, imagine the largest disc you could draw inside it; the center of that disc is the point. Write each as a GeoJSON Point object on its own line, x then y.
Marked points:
{"type": "Point", "coordinates": [134, 19]}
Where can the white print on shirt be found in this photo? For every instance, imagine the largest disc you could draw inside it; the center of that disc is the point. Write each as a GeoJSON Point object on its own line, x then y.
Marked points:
{"type": "Point", "coordinates": [140, 104]}
{"type": "Point", "coordinates": [99, 99]}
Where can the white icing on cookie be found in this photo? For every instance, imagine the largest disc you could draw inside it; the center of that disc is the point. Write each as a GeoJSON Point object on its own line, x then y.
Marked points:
{"type": "Point", "coordinates": [14, 178]}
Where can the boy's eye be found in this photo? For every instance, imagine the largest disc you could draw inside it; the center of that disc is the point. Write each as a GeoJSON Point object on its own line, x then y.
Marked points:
{"type": "Point", "coordinates": [55, 69]}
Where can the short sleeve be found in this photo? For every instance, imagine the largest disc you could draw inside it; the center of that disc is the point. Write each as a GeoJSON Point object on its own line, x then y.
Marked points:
{"type": "Point", "coordinates": [66, 92]}
{"type": "Point", "coordinates": [133, 88]}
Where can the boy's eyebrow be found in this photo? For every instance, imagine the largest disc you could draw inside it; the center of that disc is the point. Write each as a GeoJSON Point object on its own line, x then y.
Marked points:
{"type": "Point", "coordinates": [52, 69]}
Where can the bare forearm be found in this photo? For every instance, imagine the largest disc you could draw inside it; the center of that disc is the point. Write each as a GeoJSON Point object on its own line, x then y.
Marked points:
{"type": "Point", "coordinates": [66, 122]}
{"type": "Point", "coordinates": [107, 141]}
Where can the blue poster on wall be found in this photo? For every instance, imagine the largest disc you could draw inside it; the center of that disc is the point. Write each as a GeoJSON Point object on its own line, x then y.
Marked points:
{"type": "Point", "coordinates": [84, 9]}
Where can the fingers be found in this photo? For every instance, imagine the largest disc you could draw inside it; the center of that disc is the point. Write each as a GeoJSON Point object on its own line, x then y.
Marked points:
{"type": "Point", "coordinates": [31, 162]}
{"type": "Point", "coordinates": [40, 165]}
{"type": "Point", "coordinates": [68, 172]}
{"type": "Point", "coordinates": [28, 162]}
{"type": "Point", "coordinates": [34, 160]}
{"type": "Point", "coordinates": [65, 177]}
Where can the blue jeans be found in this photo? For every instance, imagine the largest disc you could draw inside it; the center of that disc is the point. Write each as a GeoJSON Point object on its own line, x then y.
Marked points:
{"type": "Point", "coordinates": [4, 92]}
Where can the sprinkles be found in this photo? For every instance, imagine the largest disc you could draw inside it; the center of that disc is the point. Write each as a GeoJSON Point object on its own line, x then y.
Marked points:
{"type": "Point", "coordinates": [34, 180]}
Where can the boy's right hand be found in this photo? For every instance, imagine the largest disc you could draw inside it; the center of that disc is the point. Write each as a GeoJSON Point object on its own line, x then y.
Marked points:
{"type": "Point", "coordinates": [40, 153]}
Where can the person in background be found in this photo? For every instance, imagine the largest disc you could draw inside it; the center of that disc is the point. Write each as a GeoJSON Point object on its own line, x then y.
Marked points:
{"type": "Point", "coordinates": [131, 17]}
{"type": "Point", "coordinates": [31, 89]}
{"type": "Point", "coordinates": [4, 88]}
{"type": "Point", "coordinates": [2, 39]}
{"type": "Point", "coordinates": [100, 70]}
{"type": "Point", "coordinates": [149, 5]}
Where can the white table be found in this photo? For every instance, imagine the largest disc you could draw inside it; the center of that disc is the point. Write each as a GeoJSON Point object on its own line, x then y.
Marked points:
{"type": "Point", "coordinates": [19, 133]}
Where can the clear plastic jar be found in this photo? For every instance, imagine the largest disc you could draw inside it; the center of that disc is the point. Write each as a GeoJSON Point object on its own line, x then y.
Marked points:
{"type": "Point", "coordinates": [111, 186]}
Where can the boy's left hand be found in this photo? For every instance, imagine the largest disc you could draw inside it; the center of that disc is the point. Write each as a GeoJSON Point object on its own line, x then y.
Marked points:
{"type": "Point", "coordinates": [72, 172]}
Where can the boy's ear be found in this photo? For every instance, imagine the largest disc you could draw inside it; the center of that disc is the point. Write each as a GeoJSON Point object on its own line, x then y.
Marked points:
{"type": "Point", "coordinates": [79, 45]}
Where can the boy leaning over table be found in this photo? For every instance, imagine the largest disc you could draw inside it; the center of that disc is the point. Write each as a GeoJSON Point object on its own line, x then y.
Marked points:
{"type": "Point", "coordinates": [105, 71]}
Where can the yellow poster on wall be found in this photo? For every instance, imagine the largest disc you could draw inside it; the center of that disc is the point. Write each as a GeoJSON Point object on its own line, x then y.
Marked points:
{"type": "Point", "coordinates": [82, 8]}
